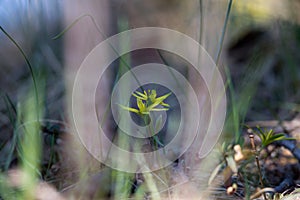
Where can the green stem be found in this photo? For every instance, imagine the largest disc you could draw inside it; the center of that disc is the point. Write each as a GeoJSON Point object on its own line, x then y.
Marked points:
{"type": "Point", "coordinates": [251, 136]}
{"type": "Point", "coordinates": [223, 32]}
{"type": "Point", "coordinates": [29, 66]}
{"type": "Point", "coordinates": [201, 22]}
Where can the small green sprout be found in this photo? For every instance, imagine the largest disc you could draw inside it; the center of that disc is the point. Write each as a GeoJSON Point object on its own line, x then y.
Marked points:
{"type": "Point", "coordinates": [268, 137]}
{"type": "Point", "coordinates": [147, 102]}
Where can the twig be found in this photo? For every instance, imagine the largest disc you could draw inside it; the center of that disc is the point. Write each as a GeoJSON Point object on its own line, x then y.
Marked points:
{"type": "Point", "coordinates": [251, 136]}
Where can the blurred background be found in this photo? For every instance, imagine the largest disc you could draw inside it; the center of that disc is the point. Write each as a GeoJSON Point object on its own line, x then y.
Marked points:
{"type": "Point", "coordinates": [259, 55]}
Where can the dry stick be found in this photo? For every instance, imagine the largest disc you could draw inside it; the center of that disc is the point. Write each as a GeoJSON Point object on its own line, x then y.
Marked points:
{"type": "Point", "coordinates": [251, 136]}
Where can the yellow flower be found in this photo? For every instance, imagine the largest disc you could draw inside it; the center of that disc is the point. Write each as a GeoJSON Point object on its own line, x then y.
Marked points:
{"type": "Point", "coordinates": [147, 102]}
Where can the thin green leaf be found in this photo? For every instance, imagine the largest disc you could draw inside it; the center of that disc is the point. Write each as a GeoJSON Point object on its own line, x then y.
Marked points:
{"type": "Point", "coordinates": [261, 136]}
{"type": "Point", "coordinates": [9, 101]}
{"type": "Point", "coordinates": [277, 136]}
{"type": "Point", "coordinates": [163, 97]}
{"type": "Point", "coordinates": [157, 140]}
{"type": "Point", "coordinates": [221, 41]}
{"type": "Point", "coordinates": [129, 109]}
{"type": "Point", "coordinates": [283, 138]}
{"type": "Point", "coordinates": [260, 130]}
{"type": "Point", "coordinates": [270, 134]}
{"type": "Point", "coordinates": [158, 101]}
{"type": "Point", "coordinates": [159, 109]}
{"type": "Point", "coordinates": [232, 164]}
{"type": "Point", "coordinates": [158, 123]}
{"type": "Point", "coordinates": [152, 96]}
{"type": "Point", "coordinates": [140, 95]}
{"type": "Point", "coordinates": [164, 104]}
{"type": "Point", "coordinates": [214, 173]}
{"type": "Point", "coordinates": [10, 109]}
{"type": "Point", "coordinates": [141, 105]}
{"type": "Point", "coordinates": [152, 106]}
{"type": "Point", "coordinates": [28, 64]}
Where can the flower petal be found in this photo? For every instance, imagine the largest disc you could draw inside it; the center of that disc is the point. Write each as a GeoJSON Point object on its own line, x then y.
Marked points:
{"type": "Point", "coordinates": [141, 105]}
{"type": "Point", "coordinates": [129, 109]}
{"type": "Point", "coordinates": [140, 95]}
{"type": "Point", "coordinates": [164, 104]}
{"type": "Point", "coordinates": [159, 109]}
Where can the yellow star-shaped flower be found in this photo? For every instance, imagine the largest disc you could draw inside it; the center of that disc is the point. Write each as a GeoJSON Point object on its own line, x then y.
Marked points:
{"type": "Point", "coordinates": [147, 102]}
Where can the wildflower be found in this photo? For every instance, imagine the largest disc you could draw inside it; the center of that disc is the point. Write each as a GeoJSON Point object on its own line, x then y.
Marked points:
{"type": "Point", "coordinates": [147, 102]}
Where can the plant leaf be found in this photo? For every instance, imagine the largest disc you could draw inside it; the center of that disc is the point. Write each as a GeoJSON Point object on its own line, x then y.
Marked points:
{"type": "Point", "coordinates": [159, 109]}
{"type": "Point", "coordinates": [214, 173]}
{"type": "Point", "coordinates": [164, 104]}
{"type": "Point", "coordinates": [232, 164]}
{"type": "Point", "coordinates": [163, 97]}
{"type": "Point", "coordinates": [155, 137]}
{"type": "Point", "coordinates": [152, 96]}
{"type": "Point", "coordinates": [158, 101]}
{"type": "Point", "coordinates": [140, 95]}
{"type": "Point", "coordinates": [141, 105]}
{"type": "Point", "coordinates": [158, 123]}
{"type": "Point", "coordinates": [130, 109]}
